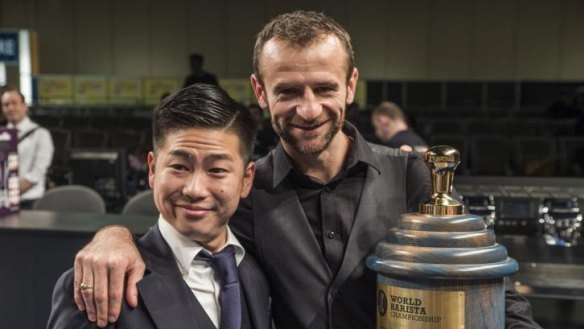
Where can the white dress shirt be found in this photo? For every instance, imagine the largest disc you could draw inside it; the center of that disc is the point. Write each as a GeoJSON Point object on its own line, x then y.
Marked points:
{"type": "Point", "coordinates": [35, 154]}
{"type": "Point", "coordinates": [198, 274]}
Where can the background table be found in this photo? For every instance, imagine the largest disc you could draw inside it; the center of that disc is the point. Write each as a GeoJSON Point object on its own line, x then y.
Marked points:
{"type": "Point", "coordinates": [36, 247]}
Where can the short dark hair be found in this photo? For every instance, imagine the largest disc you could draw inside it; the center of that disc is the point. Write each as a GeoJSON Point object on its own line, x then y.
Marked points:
{"type": "Point", "coordinates": [204, 106]}
{"type": "Point", "coordinates": [197, 57]}
{"type": "Point", "coordinates": [302, 28]}
{"type": "Point", "coordinates": [6, 89]}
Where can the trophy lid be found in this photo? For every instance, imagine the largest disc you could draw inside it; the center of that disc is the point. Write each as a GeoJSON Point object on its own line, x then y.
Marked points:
{"type": "Point", "coordinates": [442, 161]}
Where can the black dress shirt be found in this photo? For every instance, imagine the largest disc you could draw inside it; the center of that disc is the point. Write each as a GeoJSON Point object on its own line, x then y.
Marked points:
{"type": "Point", "coordinates": [406, 137]}
{"type": "Point", "coordinates": [330, 207]}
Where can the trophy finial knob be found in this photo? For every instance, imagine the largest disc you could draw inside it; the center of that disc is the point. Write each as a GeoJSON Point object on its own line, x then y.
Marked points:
{"type": "Point", "coordinates": [442, 160]}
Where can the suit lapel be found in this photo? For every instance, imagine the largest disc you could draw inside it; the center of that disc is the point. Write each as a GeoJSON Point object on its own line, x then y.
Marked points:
{"type": "Point", "coordinates": [255, 300]}
{"type": "Point", "coordinates": [378, 209]}
{"type": "Point", "coordinates": [166, 296]}
{"type": "Point", "coordinates": [167, 302]}
{"type": "Point", "coordinates": [292, 220]}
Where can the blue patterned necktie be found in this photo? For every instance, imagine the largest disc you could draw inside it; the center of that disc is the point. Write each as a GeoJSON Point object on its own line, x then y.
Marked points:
{"type": "Point", "coordinates": [223, 263]}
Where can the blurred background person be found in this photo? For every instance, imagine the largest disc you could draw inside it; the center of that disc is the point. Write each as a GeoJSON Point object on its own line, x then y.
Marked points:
{"type": "Point", "coordinates": [35, 147]}
{"type": "Point", "coordinates": [391, 128]}
{"type": "Point", "coordinates": [266, 138]}
{"type": "Point", "coordinates": [137, 175]}
{"type": "Point", "coordinates": [198, 75]}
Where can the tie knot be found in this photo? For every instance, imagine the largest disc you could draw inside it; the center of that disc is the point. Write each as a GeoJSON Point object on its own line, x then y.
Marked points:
{"type": "Point", "coordinates": [223, 263]}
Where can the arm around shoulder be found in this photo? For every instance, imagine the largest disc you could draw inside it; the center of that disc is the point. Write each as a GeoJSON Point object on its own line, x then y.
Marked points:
{"type": "Point", "coordinates": [109, 260]}
{"type": "Point", "coordinates": [64, 312]}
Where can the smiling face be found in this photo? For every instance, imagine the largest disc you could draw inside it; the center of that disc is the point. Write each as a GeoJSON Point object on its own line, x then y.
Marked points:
{"type": "Point", "coordinates": [198, 176]}
{"type": "Point", "coordinates": [306, 91]}
{"type": "Point", "coordinates": [13, 107]}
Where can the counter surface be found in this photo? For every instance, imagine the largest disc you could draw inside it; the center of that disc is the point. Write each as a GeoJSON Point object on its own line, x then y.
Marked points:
{"type": "Point", "coordinates": [36, 247]}
{"type": "Point", "coordinates": [84, 223]}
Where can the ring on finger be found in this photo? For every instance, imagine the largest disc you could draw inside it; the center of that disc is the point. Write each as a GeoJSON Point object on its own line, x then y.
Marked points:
{"type": "Point", "coordinates": [84, 286]}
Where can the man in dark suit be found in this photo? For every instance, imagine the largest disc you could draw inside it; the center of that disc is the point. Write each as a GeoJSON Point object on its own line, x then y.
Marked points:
{"type": "Point", "coordinates": [197, 273]}
{"type": "Point", "coordinates": [322, 199]}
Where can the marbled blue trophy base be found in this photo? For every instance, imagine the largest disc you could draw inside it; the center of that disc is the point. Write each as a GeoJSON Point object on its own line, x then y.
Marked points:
{"type": "Point", "coordinates": [431, 262]}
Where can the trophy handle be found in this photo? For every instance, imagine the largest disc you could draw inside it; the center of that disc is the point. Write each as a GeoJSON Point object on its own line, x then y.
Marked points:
{"type": "Point", "coordinates": [442, 161]}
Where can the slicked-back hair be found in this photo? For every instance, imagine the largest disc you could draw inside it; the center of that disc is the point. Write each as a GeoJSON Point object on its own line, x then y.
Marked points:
{"type": "Point", "coordinates": [208, 107]}
{"type": "Point", "coordinates": [302, 28]}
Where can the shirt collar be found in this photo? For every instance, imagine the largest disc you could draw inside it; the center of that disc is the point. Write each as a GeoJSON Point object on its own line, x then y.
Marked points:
{"type": "Point", "coordinates": [23, 126]}
{"type": "Point", "coordinates": [360, 152]}
{"type": "Point", "coordinates": [185, 250]}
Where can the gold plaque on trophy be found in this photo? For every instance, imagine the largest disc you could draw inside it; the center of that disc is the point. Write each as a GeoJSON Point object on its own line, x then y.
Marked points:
{"type": "Point", "coordinates": [401, 308]}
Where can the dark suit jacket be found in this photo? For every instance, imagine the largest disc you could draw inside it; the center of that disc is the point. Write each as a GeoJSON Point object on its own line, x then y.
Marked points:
{"type": "Point", "coordinates": [305, 294]}
{"type": "Point", "coordinates": [165, 301]}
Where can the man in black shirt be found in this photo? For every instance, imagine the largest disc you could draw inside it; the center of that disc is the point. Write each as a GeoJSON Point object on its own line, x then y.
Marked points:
{"type": "Point", "coordinates": [321, 200]}
{"type": "Point", "coordinates": [198, 75]}
{"type": "Point", "coordinates": [391, 128]}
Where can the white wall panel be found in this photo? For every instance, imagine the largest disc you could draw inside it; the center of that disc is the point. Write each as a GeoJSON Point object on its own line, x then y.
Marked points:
{"type": "Point", "coordinates": [538, 39]}
{"type": "Point", "coordinates": [168, 38]}
{"type": "Point", "coordinates": [56, 33]}
{"type": "Point", "coordinates": [207, 34]}
{"type": "Point", "coordinates": [367, 25]}
{"type": "Point", "coordinates": [572, 41]}
{"type": "Point", "coordinates": [244, 21]}
{"type": "Point", "coordinates": [92, 37]}
{"type": "Point", "coordinates": [492, 53]}
{"type": "Point", "coordinates": [449, 43]}
{"type": "Point", "coordinates": [131, 38]}
{"type": "Point", "coordinates": [16, 14]}
{"type": "Point", "coordinates": [407, 33]}
{"type": "Point", "coordinates": [417, 39]}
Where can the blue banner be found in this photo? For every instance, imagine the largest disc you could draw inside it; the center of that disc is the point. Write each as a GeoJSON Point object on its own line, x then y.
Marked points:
{"type": "Point", "coordinates": [9, 47]}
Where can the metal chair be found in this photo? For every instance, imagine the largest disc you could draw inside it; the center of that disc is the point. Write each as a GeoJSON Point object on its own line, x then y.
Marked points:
{"type": "Point", "coordinates": [71, 198]}
{"type": "Point", "coordinates": [62, 142]}
{"type": "Point", "coordinates": [141, 204]}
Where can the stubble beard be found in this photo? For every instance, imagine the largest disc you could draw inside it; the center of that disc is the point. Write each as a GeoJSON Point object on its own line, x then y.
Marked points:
{"type": "Point", "coordinates": [282, 127]}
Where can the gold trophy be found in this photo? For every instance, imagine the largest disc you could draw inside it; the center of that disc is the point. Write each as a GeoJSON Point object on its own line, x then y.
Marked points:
{"type": "Point", "coordinates": [441, 268]}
